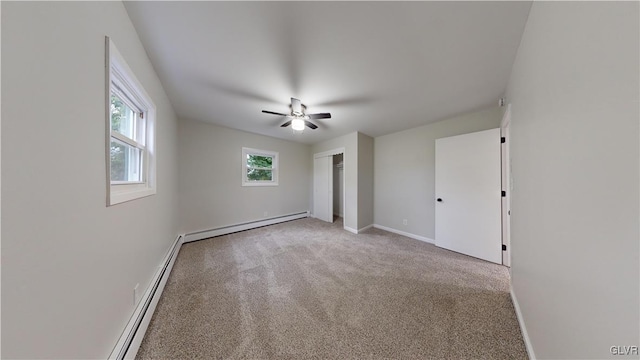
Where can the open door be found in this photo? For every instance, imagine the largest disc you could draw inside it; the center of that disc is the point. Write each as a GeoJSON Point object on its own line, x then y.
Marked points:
{"type": "Point", "coordinates": [323, 188]}
{"type": "Point", "coordinates": [468, 194]}
{"type": "Point", "coordinates": [506, 187]}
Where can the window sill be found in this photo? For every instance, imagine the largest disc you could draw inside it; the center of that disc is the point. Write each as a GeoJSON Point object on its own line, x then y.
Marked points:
{"type": "Point", "coordinates": [260, 183]}
{"type": "Point", "coordinates": [119, 194]}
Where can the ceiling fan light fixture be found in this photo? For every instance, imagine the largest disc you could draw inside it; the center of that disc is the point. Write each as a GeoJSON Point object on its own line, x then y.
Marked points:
{"type": "Point", "coordinates": [297, 124]}
{"type": "Point", "coordinates": [297, 118]}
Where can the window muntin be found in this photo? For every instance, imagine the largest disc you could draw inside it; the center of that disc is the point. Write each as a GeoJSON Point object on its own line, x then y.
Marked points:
{"type": "Point", "coordinates": [260, 167]}
{"type": "Point", "coordinates": [130, 133]}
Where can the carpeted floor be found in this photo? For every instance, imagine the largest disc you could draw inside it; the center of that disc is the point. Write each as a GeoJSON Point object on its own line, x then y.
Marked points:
{"type": "Point", "coordinates": [309, 289]}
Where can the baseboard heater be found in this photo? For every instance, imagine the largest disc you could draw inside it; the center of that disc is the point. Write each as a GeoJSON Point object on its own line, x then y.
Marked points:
{"type": "Point", "coordinates": [205, 234]}
{"type": "Point", "coordinates": [131, 338]}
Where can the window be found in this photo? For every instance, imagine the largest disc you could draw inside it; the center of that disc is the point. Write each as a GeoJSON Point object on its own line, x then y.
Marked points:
{"type": "Point", "coordinates": [259, 167]}
{"type": "Point", "coordinates": [130, 137]}
{"type": "Point", "coordinates": [127, 141]}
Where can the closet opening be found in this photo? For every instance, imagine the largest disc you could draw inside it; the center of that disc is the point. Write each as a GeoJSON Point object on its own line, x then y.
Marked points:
{"type": "Point", "coordinates": [338, 187]}
{"type": "Point", "coordinates": [329, 190]}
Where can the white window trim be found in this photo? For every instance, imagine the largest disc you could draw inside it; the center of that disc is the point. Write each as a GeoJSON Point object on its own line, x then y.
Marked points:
{"type": "Point", "coordinates": [274, 169]}
{"type": "Point", "coordinates": [118, 72]}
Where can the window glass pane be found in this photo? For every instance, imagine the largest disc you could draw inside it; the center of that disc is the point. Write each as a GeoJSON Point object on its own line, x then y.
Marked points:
{"type": "Point", "coordinates": [258, 161]}
{"type": "Point", "coordinates": [259, 175]}
{"type": "Point", "coordinates": [122, 117]}
{"type": "Point", "coordinates": [126, 162]}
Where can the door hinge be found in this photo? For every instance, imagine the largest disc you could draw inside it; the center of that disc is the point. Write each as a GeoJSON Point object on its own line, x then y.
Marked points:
{"type": "Point", "coordinates": [503, 193]}
{"type": "Point", "coordinates": [504, 247]}
{"type": "Point", "coordinates": [141, 115]}
{"type": "Point", "coordinates": [503, 140]}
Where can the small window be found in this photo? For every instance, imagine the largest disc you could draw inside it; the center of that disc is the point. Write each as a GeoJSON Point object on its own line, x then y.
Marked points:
{"type": "Point", "coordinates": [259, 167]}
{"type": "Point", "coordinates": [127, 144]}
{"type": "Point", "coordinates": [130, 126]}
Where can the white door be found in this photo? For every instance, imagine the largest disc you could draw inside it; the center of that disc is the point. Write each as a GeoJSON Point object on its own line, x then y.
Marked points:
{"type": "Point", "coordinates": [468, 194]}
{"type": "Point", "coordinates": [506, 186]}
{"type": "Point", "coordinates": [323, 188]}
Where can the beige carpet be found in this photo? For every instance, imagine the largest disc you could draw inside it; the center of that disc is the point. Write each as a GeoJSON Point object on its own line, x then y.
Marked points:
{"type": "Point", "coordinates": [309, 289]}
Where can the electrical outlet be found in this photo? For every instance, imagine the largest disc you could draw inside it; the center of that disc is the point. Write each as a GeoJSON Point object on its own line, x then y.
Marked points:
{"type": "Point", "coordinates": [135, 294]}
{"type": "Point", "coordinates": [404, 221]}
{"type": "Point", "coordinates": [265, 214]}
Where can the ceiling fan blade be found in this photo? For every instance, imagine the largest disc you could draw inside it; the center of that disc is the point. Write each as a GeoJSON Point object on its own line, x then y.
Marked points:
{"type": "Point", "coordinates": [310, 125]}
{"type": "Point", "coordinates": [319, 116]}
{"type": "Point", "coordinates": [286, 124]}
{"type": "Point", "coordinates": [273, 113]}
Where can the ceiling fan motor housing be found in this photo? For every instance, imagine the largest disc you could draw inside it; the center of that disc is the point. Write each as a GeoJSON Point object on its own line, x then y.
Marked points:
{"type": "Point", "coordinates": [296, 107]}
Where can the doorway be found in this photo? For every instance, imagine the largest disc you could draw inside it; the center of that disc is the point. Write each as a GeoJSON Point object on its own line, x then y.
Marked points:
{"type": "Point", "coordinates": [329, 185]}
{"type": "Point", "coordinates": [338, 186]}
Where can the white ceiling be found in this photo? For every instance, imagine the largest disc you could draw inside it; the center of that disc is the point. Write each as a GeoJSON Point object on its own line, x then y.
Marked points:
{"type": "Point", "coordinates": [377, 67]}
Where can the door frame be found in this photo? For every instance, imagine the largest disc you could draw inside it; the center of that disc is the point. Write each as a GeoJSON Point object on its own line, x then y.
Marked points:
{"type": "Point", "coordinates": [505, 161]}
{"type": "Point", "coordinates": [331, 153]}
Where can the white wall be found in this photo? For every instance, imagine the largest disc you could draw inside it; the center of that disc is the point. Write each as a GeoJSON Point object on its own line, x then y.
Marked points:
{"type": "Point", "coordinates": [365, 181]}
{"type": "Point", "coordinates": [69, 263]}
{"type": "Point", "coordinates": [404, 171]}
{"type": "Point", "coordinates": [210, 185]}
{"type": "Point", "coordinates": [574, 142]}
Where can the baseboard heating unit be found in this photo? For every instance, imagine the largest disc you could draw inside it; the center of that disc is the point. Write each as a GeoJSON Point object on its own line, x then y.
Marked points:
{"type": "Point", "coordinates": [131, 338]}
{"type": "Point", "coordinates": [205, 234]}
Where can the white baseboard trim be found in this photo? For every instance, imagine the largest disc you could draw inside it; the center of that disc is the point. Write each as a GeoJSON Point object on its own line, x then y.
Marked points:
{"type": "Point", "coordinates": [523, 328]}
{"type": "Point", "coordinates": [131, 338]}
{"type": "Point", "coordinates": [351, 230]}
{"type": "Point", "coordinates": [205, 234]}
{"type": "Point", "coordinates": [403, 233]}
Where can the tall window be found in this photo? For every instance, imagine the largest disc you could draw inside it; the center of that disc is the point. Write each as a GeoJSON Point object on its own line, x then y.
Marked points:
{"type": "Point", "coordinates": [130, 145]}
{"type": "Point", "coordinates": [128, 132]}
{"type": "Point", "coordinates": [259, 167]}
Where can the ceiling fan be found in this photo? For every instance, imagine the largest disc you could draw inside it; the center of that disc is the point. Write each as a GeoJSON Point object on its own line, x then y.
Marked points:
{"type": "Point", "coordinates": [297, 118]}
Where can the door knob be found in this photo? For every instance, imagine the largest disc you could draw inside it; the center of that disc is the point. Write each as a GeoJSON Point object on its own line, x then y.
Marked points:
{"type": "Point", "coordinates": [439, 200]}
